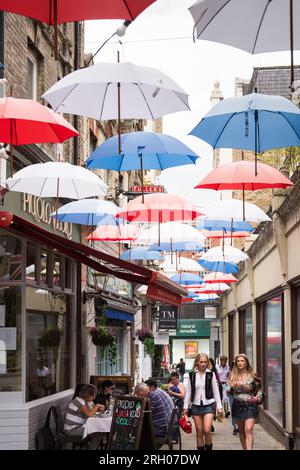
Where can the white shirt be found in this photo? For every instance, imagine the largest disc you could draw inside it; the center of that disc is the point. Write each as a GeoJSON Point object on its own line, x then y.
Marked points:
{"type": "Point", "coordinates": [200, 390]}
{"type": "Point", "coordinates": [223, 372]}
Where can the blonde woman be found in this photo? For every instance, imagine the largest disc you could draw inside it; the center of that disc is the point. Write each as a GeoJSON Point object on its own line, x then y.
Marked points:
{"type": "Point", "coordinates": [244, 387]}
{"type": "Point", "coordinates": [202, 393]}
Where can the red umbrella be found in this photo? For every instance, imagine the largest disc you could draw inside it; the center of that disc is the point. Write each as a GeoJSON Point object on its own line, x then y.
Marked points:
{"type": "Point", "coordinates": [29, 122]}
{"type": "Point", "coordinates": [241, 176]}
{"type": "Point", "coordinates": [223, 234]}
{"type": "Point", "coordinates": [215, 278]}
{"type": "Point", "coordinates": [159, 208]}
{"type": "Point", "coordinates": [63, 11]}
{"type": "Point", "coordinates": [114, 233]}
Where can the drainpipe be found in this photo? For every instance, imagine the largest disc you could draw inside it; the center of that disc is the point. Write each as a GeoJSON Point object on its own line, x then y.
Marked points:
{"type": "Point", "coordinates": [2, 43]}
{"type": "Point", "coordinates": [80, 360]}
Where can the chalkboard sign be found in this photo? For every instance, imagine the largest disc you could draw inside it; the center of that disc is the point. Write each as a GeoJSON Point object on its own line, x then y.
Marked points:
{"type": "Point", "coordinates": [132, 426]}
{"type": "Point", "coordinates": [123, 382]}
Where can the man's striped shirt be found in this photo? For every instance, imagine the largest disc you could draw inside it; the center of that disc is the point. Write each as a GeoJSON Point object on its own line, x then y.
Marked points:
{"type": "Point", "coordinates": [74, 417]}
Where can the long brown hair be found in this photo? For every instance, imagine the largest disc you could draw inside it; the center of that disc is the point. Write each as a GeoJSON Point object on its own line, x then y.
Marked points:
{"type": "Point", "coordinates": [233, 378]}
{"type": "Point", "coordinates": [195, 365]}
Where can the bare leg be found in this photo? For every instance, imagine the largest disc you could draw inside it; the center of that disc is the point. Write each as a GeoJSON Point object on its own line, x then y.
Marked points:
{"type": "Point", "coordinates": [249, 425]}
{"type": "Point", "coordinates": [207, 422]}
{"type": "Point", "coordinates": [241, 426]}
{"type": "Point", "coordinates": [198, 420]}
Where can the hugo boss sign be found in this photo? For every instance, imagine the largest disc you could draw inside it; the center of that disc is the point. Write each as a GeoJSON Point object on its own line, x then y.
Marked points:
{"type": "Point", "coordinates": [167, 317]}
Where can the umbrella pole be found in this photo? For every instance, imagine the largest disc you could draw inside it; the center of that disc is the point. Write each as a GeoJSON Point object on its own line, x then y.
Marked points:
{"type": "Point", "coordinates": [55, 39]}
{"type": "Point", "coordinates": [142, 176]}
{"type": "Point", "coordinates": [231, 227]}
{"type": "Point", "coordinates": [159, 221]}
{"type": "Point", "coordinates": [176, 260]}
{"type": "Point", "coordinates": [244, 217]}
{"type": "Point", "coordinates": [119, 119]}
{"type": "Point", "coordinates": [255, 137]}
{"type": "Point", "coordinates": [292, 45]}
{"type": "Point", "coordinates": [171, 247]}
{"type": "Point", "coordinates": [57, 194]}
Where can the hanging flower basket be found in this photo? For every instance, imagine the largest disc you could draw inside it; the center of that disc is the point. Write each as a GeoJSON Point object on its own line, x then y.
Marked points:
{"type": "Point", "coordinates": [101, 336]}
{"type": "Point", "coordinates": [143, 334]}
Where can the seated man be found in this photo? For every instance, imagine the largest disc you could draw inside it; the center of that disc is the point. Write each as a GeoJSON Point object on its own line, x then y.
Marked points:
{"type": "Point", "coordinates": [161, 405]}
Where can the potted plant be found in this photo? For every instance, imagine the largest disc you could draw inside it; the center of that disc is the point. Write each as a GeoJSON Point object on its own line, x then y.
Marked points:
{"type": "Point", "coordinates": [143, 334]}
{"type": "Point", "coordinates": [51, 338]}
{"type": "Point", "coordinates": [104, 337]}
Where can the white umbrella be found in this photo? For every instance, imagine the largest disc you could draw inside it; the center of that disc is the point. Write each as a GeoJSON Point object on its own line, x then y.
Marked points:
{"type": "Point", "coordinates": [57, 179]}
{"type": "Point", "coordinates": [182, 264]}
{"type": "Point", "coordinates": [170, 232]}
{"type": "Point", "coordinates": [93, 92]}
{"type": "Point", "coordinates": [251, 25]}
{"type": "Point", "coordinates": [227, 254]}
{"type": "Point", "coordinates": [232, 209]}
{"type": "Point", "coordinates": [220, 287]}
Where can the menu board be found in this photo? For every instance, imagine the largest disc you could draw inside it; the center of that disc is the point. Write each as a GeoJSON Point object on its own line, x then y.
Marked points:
{"type": "Point", "coordinates": [132, 427]}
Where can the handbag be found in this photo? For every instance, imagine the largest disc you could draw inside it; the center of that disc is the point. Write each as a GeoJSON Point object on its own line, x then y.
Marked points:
{"type": "Point", "coordinates": [189, 411]}
{"type": "Point", "coordinates": [185, 425]}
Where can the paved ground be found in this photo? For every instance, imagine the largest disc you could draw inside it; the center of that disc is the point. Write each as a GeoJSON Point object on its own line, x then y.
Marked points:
{"type": "Point", "coordinates": [223, 439]}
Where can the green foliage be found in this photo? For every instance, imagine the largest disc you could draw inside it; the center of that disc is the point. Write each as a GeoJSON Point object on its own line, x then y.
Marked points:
{"type": "Point", "coordinates": [157, 360]}
{"type": "Point", "coordinates": [149, 347]}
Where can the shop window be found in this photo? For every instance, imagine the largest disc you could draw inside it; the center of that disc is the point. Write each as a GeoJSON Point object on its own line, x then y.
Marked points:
{"type": "Point", "coordinates": [31, 262]}
{"type": "Point", "coordinates": [32, 77]}
{"type": "Point", "coordinates": [248, 334]}
{"type": "Point", "coordinates": [44, 267]}
{"type": "Point", "coordinates": [103, 364]}
{"type": "Point", "coordinates": [68, 273]}
{"type": "Point", "coordinates": [11, 259]}
{"type": "Point", "coordinates": [48, 343]}
{"type": "Point", "coordinates": [57, 268]}
{"type": "Point", "coordinates": [274, 359]}
{"type": "Point", "coordinates": [10, 339]}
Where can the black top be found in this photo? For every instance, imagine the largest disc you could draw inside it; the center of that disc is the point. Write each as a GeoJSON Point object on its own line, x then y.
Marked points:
{"type": "Point", "coordinates": [181, 367]}
{"type": "Point", "coordinates": [102, 399]}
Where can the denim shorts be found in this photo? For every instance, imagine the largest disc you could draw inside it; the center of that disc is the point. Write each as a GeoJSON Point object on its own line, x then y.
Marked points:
{"type": "Point", "coordinates": [199, 410]}
{"type": "Point", "coordinates": [243, 411]}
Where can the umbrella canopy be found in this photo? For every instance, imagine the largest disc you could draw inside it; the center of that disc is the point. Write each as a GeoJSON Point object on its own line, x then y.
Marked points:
{"type": "Point", "coordinates": [69, 11]}
{"type": "Point", "coordinates": [27, 122]}
{"type": "Point", "coordinates": [177, 246]}
{"type": "Point", "coordinates": [145, 150]}
{"type": "Point", "coordinates": [226, 253]}
{"type": "Point", "coordinates": [219, 277]}
{"type": "Point", "coordinates": [232, 210]}
{"type": "Point", "coordinates": [212, 288]}
{"type": "Point", "coordinates": [205, 223]}
{"type": "Point", "coordinates": [141, 253]}
{"type": "Point", "coordinates": [180, 264]}
{"type": "Point", "coordinates": [223, 234]}
{"type": "Point", "coordinates": [159, 208]}
{"type": "Point", "coordinates": [251, 122]}
{"type": "Point", "coordinates": [218, 266]}
{"type": "Point", "coordinates": [146, 93]}
{"type": "Point", "coordinates": [186, 279]}
{"type": "Point", "coordinates": [240, 175]}
{"type": "Point", "coordinates": [170, 232]}
{"type": "Point", "coordinates": [57, 179]}
{"type": "Point", "coordinates": [86, 211]}
{"type": "Point", "coordinates": [114, 233]}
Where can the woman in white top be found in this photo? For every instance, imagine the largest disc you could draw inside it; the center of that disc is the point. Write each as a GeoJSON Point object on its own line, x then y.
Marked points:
{"type": "Point", "coordinates": [202, 393]}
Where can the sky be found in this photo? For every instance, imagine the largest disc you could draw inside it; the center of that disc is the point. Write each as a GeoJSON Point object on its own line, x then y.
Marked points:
{"type": "Point", "coordinates": [161, 37]}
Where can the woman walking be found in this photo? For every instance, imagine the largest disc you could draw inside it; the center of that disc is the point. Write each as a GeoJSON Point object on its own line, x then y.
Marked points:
{"type": "Point", "coordinates": [176, 391]}
{"type": "Point", "coordinates": [202, 393]}
{"type": "Point", "coordinates": [244, 387]}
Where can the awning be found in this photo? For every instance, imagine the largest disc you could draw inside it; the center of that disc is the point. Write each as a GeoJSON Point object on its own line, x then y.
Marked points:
{"type": "Point", "coordinates": [101, 262]}
{"type": "Point", "coordinates": [118, 315]}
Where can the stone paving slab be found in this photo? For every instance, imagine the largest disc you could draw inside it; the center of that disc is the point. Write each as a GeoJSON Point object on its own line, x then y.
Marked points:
{"type": "Point", "coordinates": [223, 439]}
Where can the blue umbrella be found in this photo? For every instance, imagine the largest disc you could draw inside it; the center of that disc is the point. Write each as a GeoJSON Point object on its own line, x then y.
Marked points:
{"type": "Point", "coordinates": [251, 122]}
{"type": "Point", "coordinates": [187, 279]}
{"type": "Point", "coordinates": [177, 246]}
{"type": "Point", "coordinates": [219, 266]}
{"type": "Point", "coordinates": [226, 225]}
{"type": "Point", "coordinates": [141, 150]}
{"type": "Point", "coordinates": [141, 253]}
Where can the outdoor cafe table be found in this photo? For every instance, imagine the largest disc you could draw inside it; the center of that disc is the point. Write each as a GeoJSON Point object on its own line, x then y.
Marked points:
{"type": "Point", "coordinates": [97, 424]}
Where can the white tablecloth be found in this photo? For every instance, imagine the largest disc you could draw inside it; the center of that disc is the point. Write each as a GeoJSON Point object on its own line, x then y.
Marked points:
{"type": "Point", "coordinates": [97, 424]}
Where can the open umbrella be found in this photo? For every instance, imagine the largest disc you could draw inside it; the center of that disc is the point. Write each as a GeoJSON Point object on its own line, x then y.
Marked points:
{"type": "Point", "coordinates": [219, 277]}
{"type": "Point", "coordinates": [251, 25]}
{"type": "Point", "coordinates": [171, 232]}
{"type": "Point", "coordinates": [181, 264]}
{"type": "Point", "coordinates": [240, 176]}
{"type": "Point", "coordinates": [225, 225]}
{"type": "Point", "coordinates": [251, 122]}
{"type": "Point", "coordinates": [62, 11]}
{"type": "Point", "coordinates": [226, 253]}
{"type": "Point", "coordinates": [57, 179]}
{"type": "Point", "coordinates": [86, 212]}
{"type": "Point", "coordinates": [114, 233]}
{"type": "Point", "coordinates": [224, 267]}
{"type": "Point", "coordinates": [232, 210]}
{"type": "Point", "coordinates": [117, 91]}
{"type": "Point", "coordinates": [212, 288]}
{"type": "Point", "coordinates": [187, 279]}
{"type": "Point", "coordinates": [141, 253]}
{"type": "Point", "coordinates": [25, 122]}
{"type": "Point", "coordinates": [177, 246]}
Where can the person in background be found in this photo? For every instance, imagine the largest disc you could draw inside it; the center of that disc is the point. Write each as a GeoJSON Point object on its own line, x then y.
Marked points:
{"type": "Point", "coordinates": [212, 367]}
{"type": "Point", "coordinates": [161, 405]}
{"type": "Point", "coordinates": [202, 393]}
{"type": "Point", "coordinates": [79, 410]}
{"type": "Point", "coordinates": [181, 369]}
{"type": "Point", "coordinates": [105, 392]}
{"type": "Point", "coordinates": [235, 429]}
{"type": "Point", "coordinates": [176, 390]}
{"type": "Point", "coordinates": [224, 371]}
{"type": "Point", "coordinates": [43, 375]}
{"type": "Point", "coordinates": [244, 386]}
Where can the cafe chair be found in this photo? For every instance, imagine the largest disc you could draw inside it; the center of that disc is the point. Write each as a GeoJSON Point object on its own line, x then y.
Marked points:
{"type": "Point", "coordinates": [61, 437]}
{"type": "Point", "coordinates": [173, 435]}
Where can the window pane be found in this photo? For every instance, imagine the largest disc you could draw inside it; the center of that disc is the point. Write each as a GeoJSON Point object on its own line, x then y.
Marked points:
{"type": "Point", "coordinates": [44, 267]}
{"type": "Point", "coordinates": [249, 334]}
{"type": "Point", "coordinates": [31, 260]}
{"type": "Point", "coordinates": [10, 339]}
{"type": "Point", "coordinates": [68, 273]}
{"type": "Point", "coordinates": [10, 258]}
{"type": "Point", "coordinates": [31, 78]}
{"type": "Point", "coordinates": [57, 271]}
{"type": "Point", "coordinates": [274, 357]}
{"type": "Point", "coordinates": [48, 342]}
